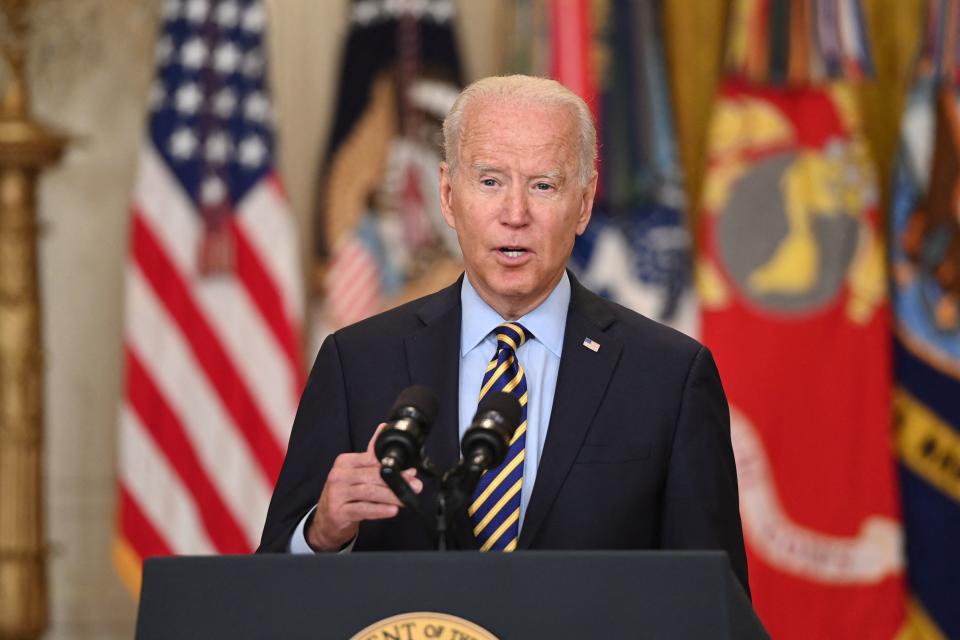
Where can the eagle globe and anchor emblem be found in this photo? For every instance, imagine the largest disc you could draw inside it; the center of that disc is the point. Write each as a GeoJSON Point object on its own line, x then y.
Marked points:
{"type": "Point", "coordinates": [790, 226]}
{"type": "Point", "coordinates": [792, 236]}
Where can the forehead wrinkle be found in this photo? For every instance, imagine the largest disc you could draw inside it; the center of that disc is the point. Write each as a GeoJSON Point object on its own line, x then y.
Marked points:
{"type": "Point", "coordinates": [484, 132]}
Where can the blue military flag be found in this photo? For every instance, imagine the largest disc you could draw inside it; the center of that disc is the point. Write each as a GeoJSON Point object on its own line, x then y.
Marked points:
{"type": "Point", "coordinates": [925, 257]}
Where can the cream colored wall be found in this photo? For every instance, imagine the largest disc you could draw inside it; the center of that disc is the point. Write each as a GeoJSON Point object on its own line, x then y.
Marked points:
{"type": "Point", "coordinates": [90, 67]}
{"type": "Point", "coordinates": [90, 64]}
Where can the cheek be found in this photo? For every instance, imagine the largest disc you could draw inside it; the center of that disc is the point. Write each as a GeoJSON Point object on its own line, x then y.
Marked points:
{"type": "Point", "coordinates": [470, 235]}
{"type": "Point", "coordinates": [561, 236]}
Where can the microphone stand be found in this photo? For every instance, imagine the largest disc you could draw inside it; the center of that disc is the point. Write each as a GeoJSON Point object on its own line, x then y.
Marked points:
{"type": "Point", "coordinates": [392, 476]}
{"type": "Point", "coordinates": [453, 488]}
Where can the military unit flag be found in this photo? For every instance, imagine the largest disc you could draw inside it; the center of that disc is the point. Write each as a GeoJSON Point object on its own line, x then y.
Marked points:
{"type": "Point", "coordinates": [636, 249]}
{"type": "Point", "coordinates": [791, 277]}
{"type": "Point", "coordinates": [925, 258]}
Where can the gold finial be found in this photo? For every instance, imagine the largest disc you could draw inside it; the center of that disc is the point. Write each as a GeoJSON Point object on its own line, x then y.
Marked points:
{"type": "Point", "coordinates": [14, 104]}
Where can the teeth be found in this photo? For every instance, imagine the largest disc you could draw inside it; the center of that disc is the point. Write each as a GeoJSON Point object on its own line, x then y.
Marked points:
{"type": "Point", "coordinates": [513, 253]}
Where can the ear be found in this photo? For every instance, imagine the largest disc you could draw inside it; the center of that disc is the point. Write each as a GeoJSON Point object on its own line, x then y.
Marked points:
{"type": "Point", "coordinates": [446, 195]}
{"type": "Point", "coordinates": [586, 204]}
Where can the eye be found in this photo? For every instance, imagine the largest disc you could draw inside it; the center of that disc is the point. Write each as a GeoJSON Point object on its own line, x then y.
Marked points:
{"type": "Point", "coordinates": [543, 186]}
{"type": "Point", "coordinates": [488, 182]}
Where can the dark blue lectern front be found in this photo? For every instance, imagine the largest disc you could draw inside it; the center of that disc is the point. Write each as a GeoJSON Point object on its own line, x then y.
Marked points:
{"type": "Point", "coordinates": [599, 594]}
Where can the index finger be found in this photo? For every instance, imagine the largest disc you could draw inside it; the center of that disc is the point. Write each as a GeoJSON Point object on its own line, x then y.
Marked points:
{"type": "Point", "coordinates": [373, 438]}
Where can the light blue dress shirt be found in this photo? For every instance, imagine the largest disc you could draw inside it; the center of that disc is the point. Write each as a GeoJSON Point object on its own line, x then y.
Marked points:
{"type": "Point", "coordinates": [539, 356]}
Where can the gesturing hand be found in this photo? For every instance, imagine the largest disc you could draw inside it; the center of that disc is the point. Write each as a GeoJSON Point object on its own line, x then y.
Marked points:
{"type": "Point", "coordinates": [353, 492]}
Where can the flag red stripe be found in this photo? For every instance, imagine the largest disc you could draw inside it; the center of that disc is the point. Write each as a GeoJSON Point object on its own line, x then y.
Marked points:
{"type": "Point", "coordinates": [362, 284]}
{"type": "Point", "coordinates": [138, 532]}
{"type": "Point", "coordinates": [167, 431]}
{"type": "Point", "coordinates": [269, 302]}
{"type": "Point", "coordinates": [362, 302]}
{"type": "Point", "coordinates": [344, 258]}
{"type": "Point", "coordinates": [275, 183]}
{"type": "Point", "coordinates": [205, 345]}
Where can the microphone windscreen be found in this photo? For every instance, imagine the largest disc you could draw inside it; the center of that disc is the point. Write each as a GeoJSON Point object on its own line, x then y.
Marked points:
{"type": "Point", "coordinates": [420, 398]}
{"type": "Point", "coordinates": [503, 403]}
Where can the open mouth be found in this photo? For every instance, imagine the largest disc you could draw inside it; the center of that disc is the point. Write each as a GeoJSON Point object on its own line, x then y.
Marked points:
{"type": "Point", "coordinates": [512, 252]}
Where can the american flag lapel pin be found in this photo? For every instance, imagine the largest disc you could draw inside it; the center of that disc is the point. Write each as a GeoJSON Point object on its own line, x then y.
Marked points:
{"type": "Point", "coordinates": [593, 345]}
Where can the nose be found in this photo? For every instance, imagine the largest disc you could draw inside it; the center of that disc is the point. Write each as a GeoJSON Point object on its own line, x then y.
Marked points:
{"type": "Point", "coordinates": [516, 208]}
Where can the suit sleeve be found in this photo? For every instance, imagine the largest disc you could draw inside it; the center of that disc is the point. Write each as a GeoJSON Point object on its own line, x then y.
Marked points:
{"type": "Point", "coordinates": [320, 433]}
{"type": "Point", "coordinates": [701, 501]}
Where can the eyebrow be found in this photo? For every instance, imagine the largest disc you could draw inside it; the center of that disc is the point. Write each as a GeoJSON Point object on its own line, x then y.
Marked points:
{"type": "Point", "coordinates": [549, 175]}
{"type": "Point", "coordinates": [486, 168]}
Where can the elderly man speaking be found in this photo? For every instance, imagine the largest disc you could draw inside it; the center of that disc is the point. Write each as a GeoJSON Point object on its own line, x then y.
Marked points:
{"type": "Point", "coordinates": [625, 439]}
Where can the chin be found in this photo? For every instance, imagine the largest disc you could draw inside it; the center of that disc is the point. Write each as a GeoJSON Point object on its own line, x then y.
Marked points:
{"type": "Point", "coordinates": [513, 286]}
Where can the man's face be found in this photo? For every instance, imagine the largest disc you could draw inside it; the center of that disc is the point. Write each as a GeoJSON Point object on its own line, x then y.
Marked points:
{"type": "Point", "coordinates": [516, 201]}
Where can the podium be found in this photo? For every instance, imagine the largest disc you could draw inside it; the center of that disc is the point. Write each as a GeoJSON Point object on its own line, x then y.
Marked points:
{"type": "Point", "coordinates": [532, 594]}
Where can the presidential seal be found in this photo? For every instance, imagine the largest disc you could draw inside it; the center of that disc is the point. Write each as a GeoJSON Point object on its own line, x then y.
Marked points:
{"type": "Point", "coordinates": [424, 625]}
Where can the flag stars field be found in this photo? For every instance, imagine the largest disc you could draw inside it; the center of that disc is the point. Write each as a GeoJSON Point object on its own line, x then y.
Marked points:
{"type": "Point", "coordinates": [226, 58]}
{"type": "Point", "coordinates": [217, 147]}
{"type": "Point", "coordinates": [252, 64]}
{"type": "Point", "coordinates": [256, 108]}
{"type": "Point", "coordinates": [183, 144]}
{"type": "Point", "coordinates": [253, 19]}
{"type": "Point", "coordinates": [224, 102]}
{"type": "Point", "coordinates": [194, 53]}
{"type": "Point", "coordinates": [227, 15]}
{"type": "Point", "coordinates": [188, 98]}
{"type": "Point", "coordinates": [197, 10]}
{"type": "Point", "coordinates": [213, 191]}
{"type": "Point", "coordinates": [252, 151]}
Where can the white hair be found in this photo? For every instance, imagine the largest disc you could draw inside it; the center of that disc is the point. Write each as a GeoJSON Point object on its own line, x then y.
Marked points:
{"type": "Point", "coordinates": [527, 90]}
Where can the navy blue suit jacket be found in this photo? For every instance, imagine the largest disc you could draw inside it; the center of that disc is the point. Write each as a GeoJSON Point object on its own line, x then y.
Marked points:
{"type": "Point", "coordinates": [637, 455]}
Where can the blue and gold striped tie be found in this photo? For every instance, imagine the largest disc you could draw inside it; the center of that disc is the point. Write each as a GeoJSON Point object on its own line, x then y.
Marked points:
{"type": "Point", "coordinates": [495, 510]}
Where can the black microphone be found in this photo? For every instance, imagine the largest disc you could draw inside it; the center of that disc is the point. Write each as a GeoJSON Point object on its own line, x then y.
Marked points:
{"type": "Point", "coordinates": [400, 443]}
{"type": "Point", "coordinates": [487, 439]}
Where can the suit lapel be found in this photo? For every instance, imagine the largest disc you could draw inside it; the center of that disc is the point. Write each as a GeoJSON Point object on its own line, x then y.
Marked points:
{"type": "Point", "coordinates": [581, 383]}
{"type": "Point", "coordinates": [433, 358]}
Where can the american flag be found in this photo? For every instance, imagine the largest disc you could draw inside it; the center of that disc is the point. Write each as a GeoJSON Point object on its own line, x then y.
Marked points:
{"type": "Point", "coordinates": [213, 297]}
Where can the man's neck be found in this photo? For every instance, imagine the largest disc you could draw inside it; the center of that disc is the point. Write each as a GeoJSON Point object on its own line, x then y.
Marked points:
{"type": "Point", "coordinates": [546, 321]}
{"type": "Point", "coordinates": [512, 312]}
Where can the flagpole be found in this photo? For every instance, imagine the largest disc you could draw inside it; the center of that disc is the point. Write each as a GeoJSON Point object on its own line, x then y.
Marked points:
{"type": "Point", "coordinates": [26, 148]}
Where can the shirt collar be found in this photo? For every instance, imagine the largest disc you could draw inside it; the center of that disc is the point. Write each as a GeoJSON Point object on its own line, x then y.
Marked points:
{"type": "Point", "coordinates": [547, 322]}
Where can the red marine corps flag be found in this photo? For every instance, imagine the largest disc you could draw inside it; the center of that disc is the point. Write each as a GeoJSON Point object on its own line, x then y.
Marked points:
{"type": "Point", "coordinates": [213, 298]}
{"type": "Point", "coordinates": [792, 282]}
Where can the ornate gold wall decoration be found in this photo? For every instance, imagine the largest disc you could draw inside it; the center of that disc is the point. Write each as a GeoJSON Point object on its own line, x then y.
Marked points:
{"type": "Point", "coordinates": [26, 147]}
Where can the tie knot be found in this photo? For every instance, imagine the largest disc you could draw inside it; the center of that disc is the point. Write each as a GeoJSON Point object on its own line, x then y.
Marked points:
{"type": "Point", "coordinates": [512, 334]}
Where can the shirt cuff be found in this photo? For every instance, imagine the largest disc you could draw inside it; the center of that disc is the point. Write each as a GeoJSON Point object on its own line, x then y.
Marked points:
{"type": "Point", "coordinates": [298, 541]}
